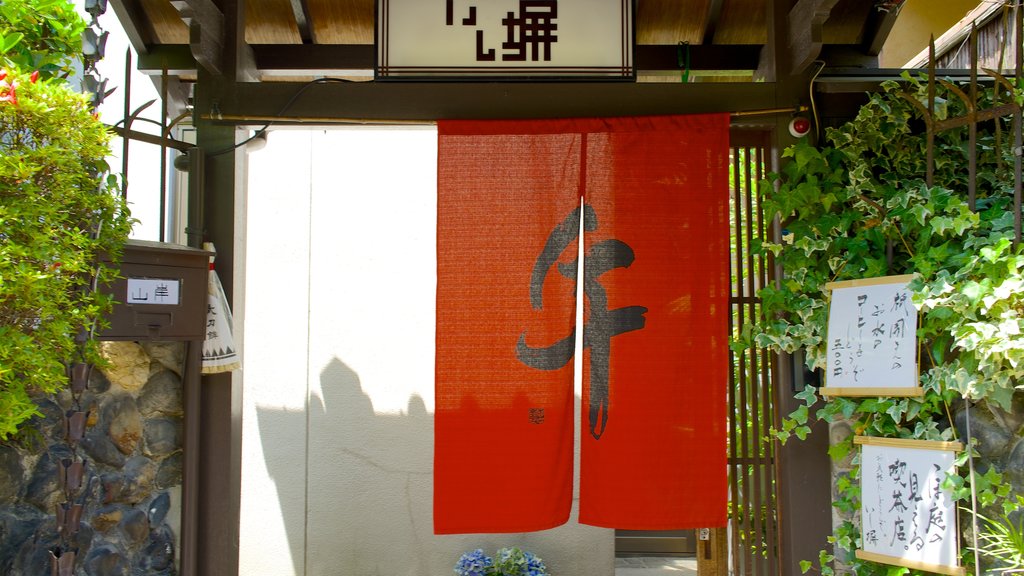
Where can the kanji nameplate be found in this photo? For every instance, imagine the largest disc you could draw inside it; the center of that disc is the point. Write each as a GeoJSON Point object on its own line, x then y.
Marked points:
{"type": "Point", "coordinates": [505, 39]}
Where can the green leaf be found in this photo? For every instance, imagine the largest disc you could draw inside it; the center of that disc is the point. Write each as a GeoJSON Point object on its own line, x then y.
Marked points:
{"type": "Point", "coordinates": [9, 41]}
{"type": "Point", "coordinates": [800, 415]}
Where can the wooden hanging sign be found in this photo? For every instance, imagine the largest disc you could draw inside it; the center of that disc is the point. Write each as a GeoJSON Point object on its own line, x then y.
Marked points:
{"type": "Point", "coordinates": [505, 40]}
{"type": "Point", "coordinates": [907, 518]}
{"type": "Point", "coordinates": [872, 339]}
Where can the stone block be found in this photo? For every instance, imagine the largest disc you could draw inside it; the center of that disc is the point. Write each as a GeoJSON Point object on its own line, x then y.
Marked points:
{"type": "Point", "coordinates": [993, 438]}
{"type": "Point", "coordinates": [158, 555]}
{"type": "Point", "coordinates": [17, 525]}
{"type": "Point", "coordinates": [139, 479]}
{"type": "Point", "coordinates": [158, 508]}
{"type": "Point", "coordinates": [12, 473]}
{"type": "Point", "coordinates": [134, 527]}
{"type": "Point", "coordinates": [43, 489]}
{"type": "Point", "coordinates": [125, 423]}
{"type": "Point", "coordinates": [99, 447]}
{"type": "Point", "coordinates": [169, 473]}
{"type": "Point", "coordinates": [169, 355]}
{"type": "Point", "coordinates": [162, 395]}
{"type": "Point", "coordinates": [106, 560]}
{"type": "Point", "coordinates": [129, 365]}
{"type": "Point", "coordinates": [98, 382]}
{"type": "Point", "coordinates": [107, 517]}
{"type": "Point", "coordinates": [162, 437]}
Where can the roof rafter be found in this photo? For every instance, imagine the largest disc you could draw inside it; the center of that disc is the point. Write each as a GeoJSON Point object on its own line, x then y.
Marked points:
{"type": "Point", "coordinates": [806, 19]}
{"type": "Point", "coordinates": [205, 31]}
{"type": "Point", "coordinates": [711, 20]}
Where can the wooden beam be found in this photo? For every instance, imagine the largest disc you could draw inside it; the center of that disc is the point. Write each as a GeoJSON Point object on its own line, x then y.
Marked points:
{"type": "Point", "coordinates": [301, 12]}
{"type": "Point", "coordinates": [176, 58]}
{"type": "Point", "coordinates": [805, 23]}
{"type": "Point", "coordinates": [702, 57]}
{"type": "Point", "coordinates": [877, 29]}
{"type": "Point", "coordinates": [131, 17]}
{"type": "Point", "coordinates": [428, 101]}
{"type": "Point", "coordinates": [321, 60]}
{"type": "Point", "coordinates": [205, 31]}
{"type": "Point", "coordinates": [711, 21]}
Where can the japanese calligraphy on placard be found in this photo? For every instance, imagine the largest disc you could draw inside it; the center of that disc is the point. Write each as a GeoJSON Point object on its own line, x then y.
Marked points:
{"type": "Point", "coordinates": [153, 291]}
{"type": "Point", "coordinates": [872, 339]}
{"type": "Point", "coordinates": [430, 39]}
{"type": "Point", "coordinates": [907, 519]}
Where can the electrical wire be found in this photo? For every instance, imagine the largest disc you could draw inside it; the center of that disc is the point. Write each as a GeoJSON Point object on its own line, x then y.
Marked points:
{"type": "Point", "coordinates": [810, 93]}
{"type": "Point", "coordinates": [261, 131]}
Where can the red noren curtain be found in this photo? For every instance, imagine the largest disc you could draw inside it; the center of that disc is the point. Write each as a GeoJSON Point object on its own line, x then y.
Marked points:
{"type": "Point", "coordinates": [649, 195]}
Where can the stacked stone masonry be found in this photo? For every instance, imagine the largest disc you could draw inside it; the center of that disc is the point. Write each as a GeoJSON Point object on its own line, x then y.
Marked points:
{"type": "Point", "coordinates": [133, 453]}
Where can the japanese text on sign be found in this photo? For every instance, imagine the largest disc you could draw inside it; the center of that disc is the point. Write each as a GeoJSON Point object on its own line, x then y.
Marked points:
{"type": "Point", "coordinates": [157, 291]}
{"type": "Point", "coordinates": [872, 335]}
{"type": "Point", "coordinates": [530, 32]}
{"type": "Point", "coordinates": [905, 513]}
{"type": "Point", "coordinates": [590, 39]}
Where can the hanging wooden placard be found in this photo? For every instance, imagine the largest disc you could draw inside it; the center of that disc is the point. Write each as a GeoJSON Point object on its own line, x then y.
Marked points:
{"type": "Point", "coordinates": [505, 40]}
{"type": "Point", "coordinates": [907, 518]}
{"type": "Point", "coordinates": [872, 339]}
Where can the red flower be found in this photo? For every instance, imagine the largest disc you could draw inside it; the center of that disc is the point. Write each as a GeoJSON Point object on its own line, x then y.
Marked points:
{"type": "Point", "coordinates": [3, 74]}
{"type": "Point", "coordinates": [34, 77]}
{"type": "Point", "coordinates": [7, 92]}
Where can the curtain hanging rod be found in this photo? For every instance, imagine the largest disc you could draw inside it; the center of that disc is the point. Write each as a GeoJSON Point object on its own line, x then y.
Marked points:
{"type": "Point", "coordinates": [242, 120]}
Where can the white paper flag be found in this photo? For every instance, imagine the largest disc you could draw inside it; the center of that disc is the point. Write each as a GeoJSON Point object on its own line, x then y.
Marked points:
{"type": "Point", "coordinates": [219, 353]}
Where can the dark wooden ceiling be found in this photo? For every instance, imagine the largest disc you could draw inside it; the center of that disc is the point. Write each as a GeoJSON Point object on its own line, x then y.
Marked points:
{"type": "Point", "coordinates": [301, 39]}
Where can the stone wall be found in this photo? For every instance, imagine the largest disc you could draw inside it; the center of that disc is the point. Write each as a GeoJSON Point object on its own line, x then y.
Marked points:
{"type": "Point", "coordinates": [131, 487]}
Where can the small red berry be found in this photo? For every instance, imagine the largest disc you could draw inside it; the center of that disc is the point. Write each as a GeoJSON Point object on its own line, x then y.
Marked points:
{"type": "Point", "coordinates": [34, 77]}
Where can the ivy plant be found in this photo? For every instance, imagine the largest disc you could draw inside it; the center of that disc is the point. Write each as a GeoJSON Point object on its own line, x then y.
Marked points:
{"type": "Point", "coordinates": [860, 206]}
{"type": "Point", "coordinates": [60, 215]}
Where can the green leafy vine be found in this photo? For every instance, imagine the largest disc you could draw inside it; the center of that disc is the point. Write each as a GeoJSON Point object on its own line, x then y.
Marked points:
{"type": "Point", "coordinates": [860, 207]}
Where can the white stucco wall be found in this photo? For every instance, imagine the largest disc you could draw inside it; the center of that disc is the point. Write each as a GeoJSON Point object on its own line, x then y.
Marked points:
{"type": "Point", "coordinates": [338, 348]}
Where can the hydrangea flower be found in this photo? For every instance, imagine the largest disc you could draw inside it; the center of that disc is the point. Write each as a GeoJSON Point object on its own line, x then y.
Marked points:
{"type": "Point", "coordinates": [474, 563]}
{"type": "Point", "coordinates": [516, 562]}
{"type": "Point", "coordinates": [510, 562]}
{"type": "Point", "coordinates": [535, 566]}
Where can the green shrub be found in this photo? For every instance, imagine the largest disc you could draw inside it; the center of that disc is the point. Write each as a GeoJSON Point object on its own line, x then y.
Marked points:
{"type": "Point", "coordinates": [43, 35]}
{"type": "Point", "coordinates": [59, 213]}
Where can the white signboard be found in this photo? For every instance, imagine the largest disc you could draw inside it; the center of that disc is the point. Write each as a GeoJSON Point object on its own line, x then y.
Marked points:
{"type": "Point", "coordinates": [432, 39]}
{"type": "Point", "coordinates": [159, 291]}
{"type": "Point", "coordinates": [872, 339]}
{"type": "Point", "coordinates": [907, 519]}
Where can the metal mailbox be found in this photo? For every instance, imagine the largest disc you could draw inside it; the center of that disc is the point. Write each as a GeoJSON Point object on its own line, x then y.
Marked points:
{"type": "Point", "coordinates": [161, 294]}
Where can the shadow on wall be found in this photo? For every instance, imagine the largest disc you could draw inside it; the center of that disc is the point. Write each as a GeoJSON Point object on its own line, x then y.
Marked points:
{"type": "Point", "coordinates": [362, 469]}
{"type": "Point", "coordinates": [369, 492]}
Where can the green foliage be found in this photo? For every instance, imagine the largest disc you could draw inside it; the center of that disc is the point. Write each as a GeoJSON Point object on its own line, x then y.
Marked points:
{"type": "Point", "coordinates": [59, 213]}
{"type": "Point", "coordinates": [43, 35]}
{"type": "Point", "coordinates": [1003, 539]}
{"type": "Point", "coordinates": [843, 207]}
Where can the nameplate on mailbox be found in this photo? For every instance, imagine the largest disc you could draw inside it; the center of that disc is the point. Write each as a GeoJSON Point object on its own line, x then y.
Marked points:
{"type": "Point", "coordinates": [158, 291]}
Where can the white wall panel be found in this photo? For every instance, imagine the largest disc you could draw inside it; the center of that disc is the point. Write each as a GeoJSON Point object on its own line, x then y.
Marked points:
{"type": "Point", "coordinates": [363, 254]}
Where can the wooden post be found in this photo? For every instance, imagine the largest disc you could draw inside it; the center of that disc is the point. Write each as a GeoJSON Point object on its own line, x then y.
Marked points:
{"type": "Point", "coordinates": [712, 552]}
